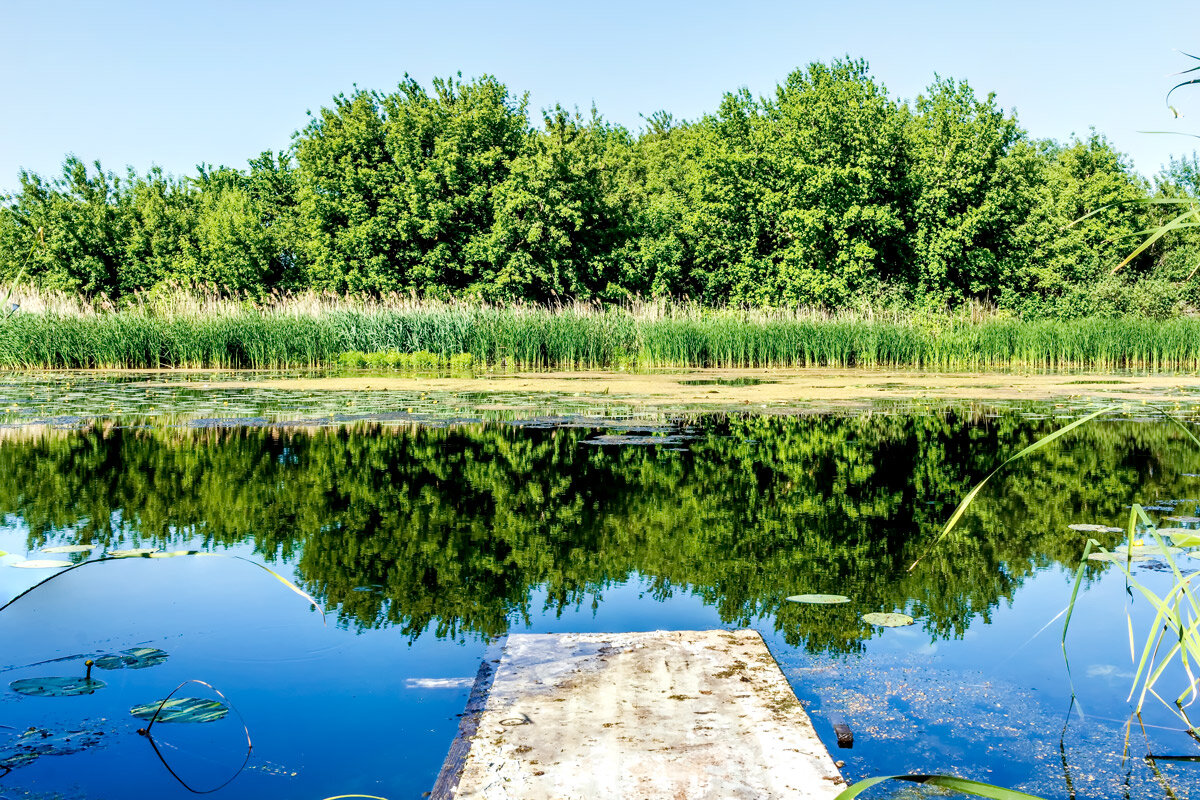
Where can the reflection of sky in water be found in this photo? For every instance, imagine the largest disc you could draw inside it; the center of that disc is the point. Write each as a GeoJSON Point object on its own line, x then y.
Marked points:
{"type": "Point", "coordinates": [337, 708]}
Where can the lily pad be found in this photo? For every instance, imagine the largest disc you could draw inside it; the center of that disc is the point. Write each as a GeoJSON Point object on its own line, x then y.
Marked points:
{"type": "Point", "coordinates": [133, 658]}
{"type": "Point", "coordinates": [819, 599]}
{"type": "Point", "coordinates": [41, 563]}
{"type": "Point", "coordinates": [1090, 528]}
{"type": "Point", "coordinates": [132, 551]}
{"type": "Point", "coordinates": [56, 687]}
{"type": "Point", "coordinates": [70, 548]}
{"type": "Point", "coordinates": [1183, 538]}
{"type": "Point", "coordinates": [888, 620]}
{"type": "Point", "coordinates": [1149, 549]}
{"type": "Point", "coordinates": [1183, 519]}
{"type": "Point", "coordinates": [1173, 531]}
{"type": "Point", "coordinates": [1117, 557]}
{"type": "Point", "coordinates": [182, 709]}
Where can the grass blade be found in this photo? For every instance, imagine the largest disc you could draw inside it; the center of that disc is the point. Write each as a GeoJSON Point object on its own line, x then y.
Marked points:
{"type": "Point", "coordinates": [1033, 448]}
{"type": "Point", "coordinates": [1154, 237]}
{"type": "Point", "coordinates": [976, 788]}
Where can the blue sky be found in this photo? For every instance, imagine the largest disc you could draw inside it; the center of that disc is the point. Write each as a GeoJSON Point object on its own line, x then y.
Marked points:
{"type": "Point", "coordinates": [177, 83]}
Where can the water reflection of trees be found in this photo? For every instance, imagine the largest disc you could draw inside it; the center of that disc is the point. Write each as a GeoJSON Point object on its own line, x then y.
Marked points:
{"type": "Point", "coordinates": [453, 527]}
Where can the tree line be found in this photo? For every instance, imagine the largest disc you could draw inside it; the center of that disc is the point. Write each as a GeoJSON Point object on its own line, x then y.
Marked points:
{"type": "Point", "coordinates": [828, 192]}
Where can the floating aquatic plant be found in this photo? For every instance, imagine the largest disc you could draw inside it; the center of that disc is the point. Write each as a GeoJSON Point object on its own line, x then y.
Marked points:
{"type": "Point", "coordinates": [189, 710]}
{"type": "Point", "coordinates": [133, 658]}
{"type": "Point", "coordinates": [1090, 528]}
{"type": "Point", "coordinates": [888, 619]}
{"type": "Point", "coordinates": [181, 709]}
{"type": "Point", "coordinates": [56, 686]}
{"type": "Point", "coordinates": [131, 551]}
{"type": "Point", "coordinates": [41, 563]}
{"type": "Point", "coordinates": [1114, 557]}
{"type": "Point", "coordinates": [1148, 549]}
{"type": "Point", "coordinates": [34, 742]}
{"type": "Point", "coordinates": [819, 599]}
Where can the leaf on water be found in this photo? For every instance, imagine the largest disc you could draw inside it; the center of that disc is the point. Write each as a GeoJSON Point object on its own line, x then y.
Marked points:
{"type": "Point", "coordinates": [14, 760]}
{"type": "Point", "coordinates": [1174, 531]}
{"type": "Point", "coordinates": [56, 687]}
{"type": "Point", "coordinates": [1151, 549]}
{"type": "Point", "coordinates": [1183, 538]}
{"type": "Point", "coordinates": [820, 599]}
{"type": "Point", "coordinates": [182, 709]}
{"type": "Point", "coordinates": [133, 658]}
{"type": "Point", "coordinates": [177, 553]}
{"type": "Point", "coordinates": [1183, 519]}
{"type": "Point", "coordinates": [888, 620]}
{"type": "Point", "coordinates": [132, 551]}
{"type": "Point", "coordinates": [1089, 528]}
{"type": "Point", "coordinates": [1115, 557]}
{"type": "Point", "coordinates": [41, 563]}
{"type": "Point", "coordinates": [70, 548]}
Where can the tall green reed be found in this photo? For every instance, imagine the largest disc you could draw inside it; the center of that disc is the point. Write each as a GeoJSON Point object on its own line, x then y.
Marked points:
{"type": "Point", "coordinates": [313, 330]}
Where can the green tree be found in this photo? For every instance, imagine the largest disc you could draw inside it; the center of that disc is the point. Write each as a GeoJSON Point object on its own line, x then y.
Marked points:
{"type": "Point", "coordinates": [831, 188]}
{"type": "Point", "coordinates": [84, 229]}
{"type": "Point", "coordinates": [396, 189]}
{"type": "Point", "coordinates": [233, 249]}
{"type": "Point", "coordinates": [696, 219]}
{"type": "Point", "coordinates": [792, 199]}
{"type": "Point", "coordinates": [159, 229]}
{"type": "Point", "coordinates": [968, 193]}
{"type": "Point", "coordinates": [561, 220]}
{"type": "Point", "coordinates": [1066, 264]}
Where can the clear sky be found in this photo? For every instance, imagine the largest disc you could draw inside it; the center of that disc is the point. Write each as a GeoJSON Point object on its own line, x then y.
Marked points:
{"type": "Point", "coordinates": [176, 83]}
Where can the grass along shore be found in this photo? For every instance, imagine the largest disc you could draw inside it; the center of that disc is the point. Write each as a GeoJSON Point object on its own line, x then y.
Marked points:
{"type": "Point", "coordinates": [182, 330]}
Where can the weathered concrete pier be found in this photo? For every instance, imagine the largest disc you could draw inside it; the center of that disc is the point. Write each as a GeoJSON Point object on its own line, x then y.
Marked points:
{"type": "Point", "coordinates": [665, 714]}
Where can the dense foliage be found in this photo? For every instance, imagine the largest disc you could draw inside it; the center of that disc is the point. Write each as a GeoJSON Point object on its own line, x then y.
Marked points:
{"type": "Point", "coordinates": [453, 529]}
{"type": "Point", "coordinates": [827, 193]}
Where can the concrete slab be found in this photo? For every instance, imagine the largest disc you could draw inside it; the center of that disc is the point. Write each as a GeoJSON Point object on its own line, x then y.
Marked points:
{"type": "Point", "coordinates": [665, 714]}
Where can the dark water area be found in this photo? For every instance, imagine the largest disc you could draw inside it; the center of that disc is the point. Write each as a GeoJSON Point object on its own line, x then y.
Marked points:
{"type": "Point", "coordinates": [427, 543]}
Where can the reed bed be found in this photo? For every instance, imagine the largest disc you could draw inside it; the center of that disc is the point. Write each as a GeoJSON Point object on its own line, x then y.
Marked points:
{"type": "Point", "coordinates": [188, 331]}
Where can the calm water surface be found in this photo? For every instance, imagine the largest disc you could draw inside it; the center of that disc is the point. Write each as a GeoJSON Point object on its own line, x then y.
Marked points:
{"type": "Point", "coordinates": [425, 541]}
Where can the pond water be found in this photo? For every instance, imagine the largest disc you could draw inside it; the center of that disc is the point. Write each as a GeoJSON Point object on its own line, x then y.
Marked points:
{"type": "Point", "coordinates": [426, 535]}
